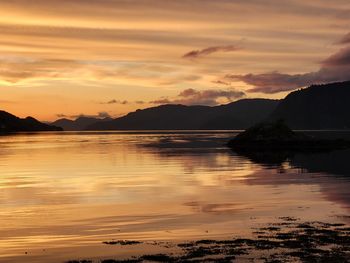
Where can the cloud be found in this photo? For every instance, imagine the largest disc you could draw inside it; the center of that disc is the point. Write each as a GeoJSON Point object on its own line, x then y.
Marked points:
{"type": "Point", "coordinates": [135, 47]}
{"type": "Point", "coordinates": [99, 115]}
{"type": "Point", "coordinates": [335, 68]}
{"type": "Point", "coordinates": [122, 102]}
{"type": "Point", "coordinates": [103, 114]}
{"type": "Point", "coordinates": [114, 101]}
{"type": "Point", "coordinates": [339, 59]}
{"type": "Point", "coordinates": [345, 39]}
{"type": "Point", "coordinates": [207, 51]}
{"type": "Point", "coordinates": [19, 70]}
{"type": "Point", "coordinates": [221, 82]}
{"type": "Point", "coordinates": [202, 97]}
{"type": "Point", "coordinates": [16, 70]}
{"type": "Point", "coordinates": [163, 101]}
{"type": "Point", "coordinates": [274, 82]}
{"type": "Point", "coordinates": [61, 115]}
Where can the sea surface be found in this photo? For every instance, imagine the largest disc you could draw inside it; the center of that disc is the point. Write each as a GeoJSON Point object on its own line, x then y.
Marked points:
{"type": "Point", "coordinates": [63, 194]}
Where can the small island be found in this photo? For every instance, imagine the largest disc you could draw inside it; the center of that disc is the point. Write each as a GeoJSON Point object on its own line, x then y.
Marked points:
{"type": "Point", "coordinates": [277, 136]}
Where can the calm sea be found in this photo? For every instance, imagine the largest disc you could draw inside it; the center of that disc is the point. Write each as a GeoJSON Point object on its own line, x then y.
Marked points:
{"type": "Point", "coordinates": [63, 194]}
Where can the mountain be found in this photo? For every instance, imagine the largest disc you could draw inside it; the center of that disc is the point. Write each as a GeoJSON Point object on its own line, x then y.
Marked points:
{"type": "Point", "coordinates": [79, 124]}
{"type": "Point", "coordinates": [11, 123]}
{"type": "Point", "coordinates": [240, 114]}
{"type": "Point", "coordinates": [236, 115]}
{"type": "Point", "coordinates": [316, 107]}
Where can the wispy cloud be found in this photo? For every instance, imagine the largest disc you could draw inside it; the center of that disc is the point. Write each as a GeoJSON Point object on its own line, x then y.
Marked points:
{"type": "Point", "coordinates": [68, 53]}
{"type": "Point", "coordinates": [335, 68]}
{"type": "Point", "coordinates": [17, 70]}
{"type": "Point", "coordinates": [122, 102]}
{"type": "Point", "coordinates": [210, 50]}
{"type": "Point", "coordinates": [221, 82]}
{"type": "Point", "coordinates": [202, 97]}
{"type": "Point", "coordinates": [345, 39]}
{"type": "Point", "coordinates": [339, 59]}
{"type": "Point", "coordinates": [99, 115]}
{"type": "Point", "coordinates": [114, 101]}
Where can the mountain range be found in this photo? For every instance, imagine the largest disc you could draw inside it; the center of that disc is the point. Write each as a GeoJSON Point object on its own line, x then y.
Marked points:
{"type": "Point", "coordinates": [11, 123]}
{"type": "Point", "coordinates": [80, 124]}
{"type": "Point", "coordinates": [316, 107]}
{"type": "Point", "coordinates": [236, 115]}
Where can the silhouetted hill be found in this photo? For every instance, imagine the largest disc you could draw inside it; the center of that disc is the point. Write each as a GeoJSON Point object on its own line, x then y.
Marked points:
{"type": "Point", "coordinates": [240, 114]}
{"type": "Point", "coordinates": [79, 124]}
{"type": "Point", "coordinates": [236, 115]}
{"type": "Point", "coordinates": [11, 123]}
{"type": "Point", "coordinates": [317, 107]}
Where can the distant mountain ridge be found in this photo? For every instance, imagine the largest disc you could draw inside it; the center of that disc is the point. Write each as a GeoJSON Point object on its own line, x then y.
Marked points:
{"type": "Point", "coordinates": [12, 123]}
{"type": "Point", "coordinates": [317, 107]}
{"type": "Point", "coordinates": [324, 106]}
{"type": "Point", "coordinates": [236, 115]}
{"type": "Point", "coordinates": [80, 124]}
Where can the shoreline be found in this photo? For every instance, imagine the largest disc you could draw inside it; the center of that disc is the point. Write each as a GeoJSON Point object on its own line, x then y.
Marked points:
{"type": "Point", "coordinates": [285, 241]}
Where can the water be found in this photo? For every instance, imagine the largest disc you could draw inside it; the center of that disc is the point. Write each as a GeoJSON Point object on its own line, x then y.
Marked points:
{"type": "Point", "coordinates": [62, 194]}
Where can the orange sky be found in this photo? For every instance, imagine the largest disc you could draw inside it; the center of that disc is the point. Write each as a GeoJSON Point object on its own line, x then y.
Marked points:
{"type": "Point", "coordinates": [109, 57]}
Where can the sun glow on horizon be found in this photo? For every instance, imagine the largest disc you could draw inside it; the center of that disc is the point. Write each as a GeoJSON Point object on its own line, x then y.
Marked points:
{"type": "Point", "coordinates": [74, 57]}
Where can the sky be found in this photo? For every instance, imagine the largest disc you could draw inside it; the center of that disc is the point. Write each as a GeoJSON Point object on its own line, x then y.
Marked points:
{"type": "Point", "coordinates": [66, 58]}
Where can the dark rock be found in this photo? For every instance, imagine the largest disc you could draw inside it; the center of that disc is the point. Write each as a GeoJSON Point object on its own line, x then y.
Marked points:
{"type": "Point", "coordinates": [277, 136]}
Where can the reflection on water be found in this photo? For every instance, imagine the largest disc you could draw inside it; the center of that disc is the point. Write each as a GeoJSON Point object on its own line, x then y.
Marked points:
{"type": "Point", "coordinates": [62, 194]}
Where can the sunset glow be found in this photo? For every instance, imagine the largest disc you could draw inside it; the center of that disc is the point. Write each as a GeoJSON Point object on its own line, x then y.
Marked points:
{"type": "Point", "coordinates": [109, 57]}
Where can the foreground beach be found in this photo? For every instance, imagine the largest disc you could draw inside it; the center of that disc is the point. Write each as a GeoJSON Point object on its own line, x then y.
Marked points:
{"type": "Point", "coordinates": [286, 241]}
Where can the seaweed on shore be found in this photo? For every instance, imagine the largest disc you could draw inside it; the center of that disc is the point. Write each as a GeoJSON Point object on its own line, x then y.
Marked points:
{"type": "Point", "coordinates": [278, 242]}
{"type": "Point", "coordinates": [122, 242]}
